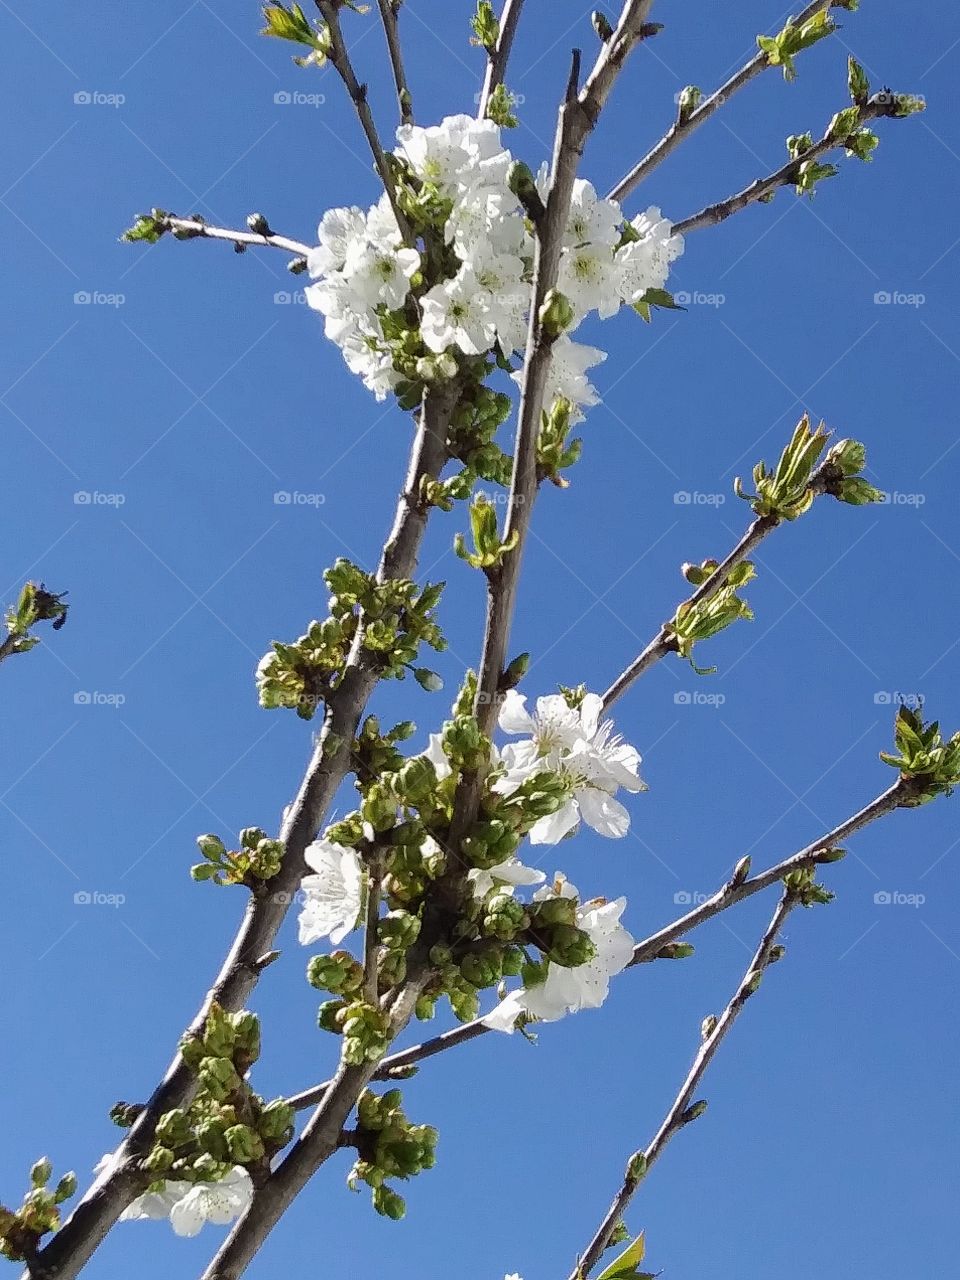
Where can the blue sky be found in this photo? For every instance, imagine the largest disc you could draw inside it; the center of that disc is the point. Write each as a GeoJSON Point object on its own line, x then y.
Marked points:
{"type": "Point", "coordinates": [193, 389]}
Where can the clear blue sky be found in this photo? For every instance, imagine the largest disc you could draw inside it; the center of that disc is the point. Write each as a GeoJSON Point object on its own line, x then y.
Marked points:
{"type": "Point", "coordinates": [830, 1144]}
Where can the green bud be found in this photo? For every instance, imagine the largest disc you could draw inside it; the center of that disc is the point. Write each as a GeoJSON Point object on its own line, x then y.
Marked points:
{"type": "Point", "coordinates": [244, 1144]}
{"type": "Point", "coordinates": [569, 946]}
{"type": "Point", "coordinates": [219, 1035]}
{"type": "Point", "coordinates": [218, 1077]}
{"type": "Point", "coordinates": [556, 314]}
{"type": "Point", "coordinates": [676, 951]}
{"type": "Point", "coordinates": [211, 847]}
{"type": "Point", "coordinates": [398, 930]}
{"type": "Point", "coordinates": [388, 1203]}
{"type": "Point", "coordinates": [708, 1026]}
{"type": "Point", "coordinates": [276, 1123]}
{"type": "Point", "coordinates": [246, 1028]}
{"type": "Point", "coordinates": [159, 1160]}
{"type": "Point", "coordinates": [41, 1172]}
{"type": "Point", "coordinates": [693, 1112]}
{"type": "Point", "coordinates": [687, 102]}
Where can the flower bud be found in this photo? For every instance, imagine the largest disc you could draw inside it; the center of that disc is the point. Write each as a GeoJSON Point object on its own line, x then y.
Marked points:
{"type": "Point", "coordinates": [218, 1077]}
{"type": "Point", "coordinates": [388, 1203]}
{"type": "Point", "coordinates": [219, 1035]}
{"type": "Point", "coordinates": [570, 946]}
{"type": "Point", "coordinates": [41, 1172]}
{"type": "Point", "coordinates": [159, 1160]}
{"type": "Point", "coordinates": [328, 1015]}
{"type": "Point", "coordinates": [243, 1144]}
{"type": "Point", "coordinates": [556, 314]}
{"type": "Point", "coordinates": [66, 1187]}
{"type": "Point", "coordinates": [276, 1123]}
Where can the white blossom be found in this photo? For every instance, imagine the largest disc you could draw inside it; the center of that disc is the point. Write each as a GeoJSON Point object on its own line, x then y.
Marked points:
{"type": "Point", "coordinates": [505, 877]}
{"type": "Point", "coordinates": [578, 747]}
{"type": "Point", "coordinates": [333, 895]}
{"type": "Point", "coordinates": [585, 986]}
{"type": "Point", "coordinates": [645, 263]}
{"type": "Point", "coordinates": [189, 1205]}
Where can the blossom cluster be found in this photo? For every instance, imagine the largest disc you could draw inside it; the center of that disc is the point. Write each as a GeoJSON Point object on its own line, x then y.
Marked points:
{"type": "Point", "coordinates": [583, 943]}
{"type": "Point", "coordinates": [460, 285]}
{"type": "Point", "coordinates": [189, 1205]}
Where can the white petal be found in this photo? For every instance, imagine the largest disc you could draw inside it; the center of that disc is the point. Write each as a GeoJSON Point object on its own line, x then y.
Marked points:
{"type": "Point", "coordinates": [552, 829]}
{"type": "Point", "coordinates": [607, 816]}
{"type": "Point", "coordinates": [514, 716]}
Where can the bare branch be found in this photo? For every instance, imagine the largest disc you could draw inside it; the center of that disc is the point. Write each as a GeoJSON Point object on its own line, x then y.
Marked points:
{"type": "Point", "coordinates": [197, 229]}
{"type": "Point", "coordinates": [389, 14]}
{"type": "Point", "coordinates": [684, 1110]}
{"type": "Point", "coordinates": [664, 642]}
{"type": "Point", "coordinates": [497, 59]}
{"type": "Point", "coordinates": [882, 104]}
{"type": "Point", "coordinates": [654, 947]}
{"type": "Point", "coordinates": [682, 128]}
{"type": "Point", "coordinates": [340, 61]}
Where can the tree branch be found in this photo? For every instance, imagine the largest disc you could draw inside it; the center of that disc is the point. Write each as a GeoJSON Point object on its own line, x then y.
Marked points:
{"type": "Point", "coordinates": [652, 948]}
{"type": "Point", "coordinates": [319, 1140]}
{"type": "Point", "coordinates": [684, 1110]}
{"type": "Point", "coordinates": [69, 1249]}
{"type": "Point", "coordinates": [389, 14]}
{"type": "Point", "coordinates": [196, 228]}
{"type": "Point", "coordinates": [497, 59]}
{"type": "Point", "coordinates": [682, 129]}
{"type": "Point", "coordinates": [664, 642]}
{"type": "Point", "coordinates": [881, 104]}
{"type": "Point", "coordinates": [340, 61]}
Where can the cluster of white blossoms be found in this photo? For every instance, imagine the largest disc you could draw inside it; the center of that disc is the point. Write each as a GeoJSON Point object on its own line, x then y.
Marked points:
{"type": "Point", "coordinates": [570, 989]}
{"type": "Point", "coordinates": [363, 272]}
{"type": "Point", "coordinates": [189, 1205]}
{"type": "Point", "coordinates": [578, 746]}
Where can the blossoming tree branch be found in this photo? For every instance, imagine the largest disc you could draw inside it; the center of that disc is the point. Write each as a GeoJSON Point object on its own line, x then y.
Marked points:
{"type": "Point", "coordinates": [470, 275]}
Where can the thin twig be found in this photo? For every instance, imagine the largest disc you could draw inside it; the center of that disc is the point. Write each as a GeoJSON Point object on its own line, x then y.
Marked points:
{"type": "Point", "coordinates": [389, 14]}
{"type": "Point", "coordinates": [683, 1109]}
{"type": "Point", "coordinates": [197, 229]}
{"type": "Point", "coordinates": [340, 61]}
{"type": "Point", "coordinates": [70, 1248]}
{"type": "Point", "coordinates": [652, 947]}
{"type": "Point", "coordinates": [682, 129]}
{"type": "Point", "coordinates": [498, 57]}
{"type": "Point", "coordinates": [664, 642]}
{"type": "Point", "coordinates": [881, 104]}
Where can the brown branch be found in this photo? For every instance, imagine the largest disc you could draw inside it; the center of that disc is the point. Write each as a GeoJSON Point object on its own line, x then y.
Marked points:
{"type": "Point", "coordinates": [656, 945]}
{"type": "Point", "coordinates": [684, 1109]}
{"type": "Point", "coordinates": [663, 643]}
{"type": "Point", "coordinates": [682, 129]}
{"type": "Point", "coordinates": [389, 14]}
{"type": "Point", "coordinates": [319, 1140]}
{"type": "Point", "coordinates": [71, 1247]}
{"type": "Point", "coordinates": [882, 104]}
{"type": "Point", "coordinates": [498, 57]}
{"type": "Point", "coordinates": [340, 61]}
